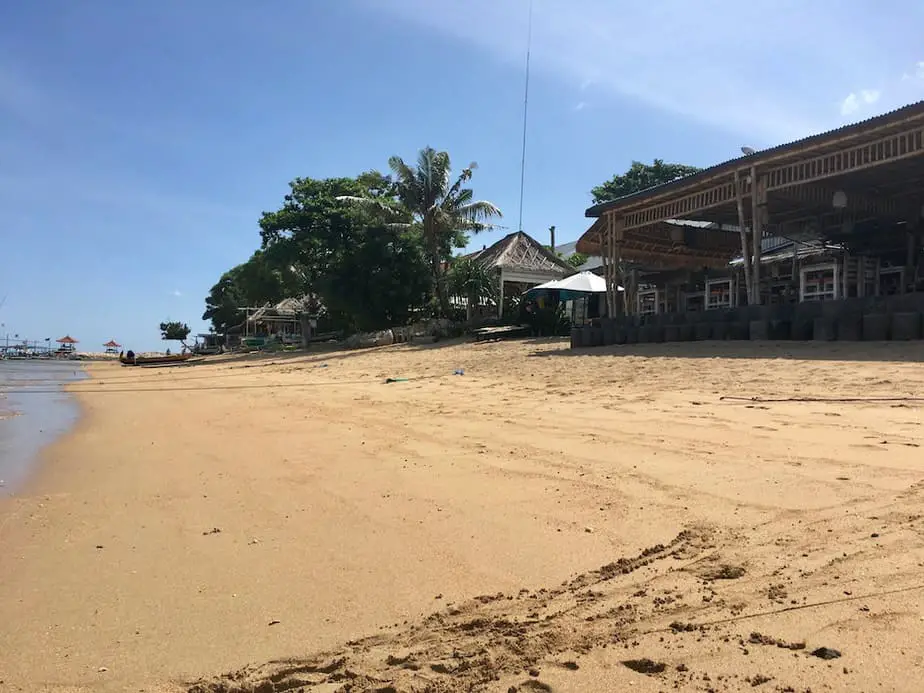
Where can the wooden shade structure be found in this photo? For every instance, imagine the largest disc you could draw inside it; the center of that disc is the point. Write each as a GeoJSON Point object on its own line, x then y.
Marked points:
{"type": "Point", "coordinates": [111, 346]}
{"type": "Point", "coordinates": [806, 191]}
{"type": "Point", "coordinates": [67, 339]}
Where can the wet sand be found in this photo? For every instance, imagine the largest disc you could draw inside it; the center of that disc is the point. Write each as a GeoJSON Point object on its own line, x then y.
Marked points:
{"type": "Point", "coordinates": [34, 411]}
{"type": "Point", "coordinates": [547, 521]}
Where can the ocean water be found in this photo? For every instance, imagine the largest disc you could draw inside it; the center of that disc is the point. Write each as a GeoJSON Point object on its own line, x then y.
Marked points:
{"type": "Point", "coordinates": [34, 411]}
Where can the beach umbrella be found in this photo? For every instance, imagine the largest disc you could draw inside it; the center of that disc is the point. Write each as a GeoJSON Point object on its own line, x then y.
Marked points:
{"type": "Point", "coordinates": [66, 339]}
{"type": "Point", "coordinates": [580, 283]}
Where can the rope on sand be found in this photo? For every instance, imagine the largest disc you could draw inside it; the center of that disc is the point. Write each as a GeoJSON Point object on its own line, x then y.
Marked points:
{"type": "Point", "coordinates": [821, 400]}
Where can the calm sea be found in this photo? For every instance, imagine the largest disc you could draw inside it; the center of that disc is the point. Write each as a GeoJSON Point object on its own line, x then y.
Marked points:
{"type": "Point", "coordinates": [34, 411]}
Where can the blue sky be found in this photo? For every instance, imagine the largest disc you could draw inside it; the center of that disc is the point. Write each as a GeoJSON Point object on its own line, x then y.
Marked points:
{"type": "Point", "coordinates": [139, 142]}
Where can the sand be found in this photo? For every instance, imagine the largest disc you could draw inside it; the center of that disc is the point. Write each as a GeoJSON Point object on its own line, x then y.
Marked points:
{"type": "Point", "coordinates": [548, 521]}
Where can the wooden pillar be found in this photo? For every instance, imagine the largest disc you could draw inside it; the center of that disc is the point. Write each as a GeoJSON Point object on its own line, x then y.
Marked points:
{"type": "Point", "coordinates": [619, 297]}
{"type": "Point", "coordinates": [500, 294]}
{"type": "Point", "coordinates": [758, 220]}
{"type": "Point", "coordinates": [745, 250]}
{"type": "Point", "coordinates": [861, 276]}
{"type": "Point", "coordinates": [615, 229]}
{"type": "Point", "coordinates": [911, 265]}
{"type": "Point", "coordinates": [845, 276]}
{"type": "Point", "coordinates": [604, 256]}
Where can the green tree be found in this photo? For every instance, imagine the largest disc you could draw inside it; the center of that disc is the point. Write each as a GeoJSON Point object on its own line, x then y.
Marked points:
{"type": "Point", "coordinates": [468, 278]}
{"type": "Point", "coordinates": [441, 210]}
{"type": "Point", "coordinates": [377, 282]}
{"type": "Point", "coordinates": [640, 177]}
{"type": "Point", "coordinates": [252, 283]}
{"type": "Point", "coordinates": [174, 331]}
{"type": "Point", "coordinates": [576, 259]}
{"type": "Point", "coordinates": [366, 273]}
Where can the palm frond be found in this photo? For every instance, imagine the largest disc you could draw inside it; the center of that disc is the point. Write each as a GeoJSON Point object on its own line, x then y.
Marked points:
{"type": "Point", "coordinates": [463, 178]}
{"type": "Point", "coordinates": [479, 210]}
{"type": "Point", "coordinates": [403, 172]}
{"type": "Point", "coordinates": [477, 227]}
{"type": "Point", "coordinates": [433, 172]}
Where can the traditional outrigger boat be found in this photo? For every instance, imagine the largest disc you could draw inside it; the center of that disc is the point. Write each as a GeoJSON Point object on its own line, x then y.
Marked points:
{"type": "Point", "coordinates": [135, 360]}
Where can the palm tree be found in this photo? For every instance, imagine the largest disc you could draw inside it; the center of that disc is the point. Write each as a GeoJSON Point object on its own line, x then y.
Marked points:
{"type": "Point", "coordinates": [442, 210]}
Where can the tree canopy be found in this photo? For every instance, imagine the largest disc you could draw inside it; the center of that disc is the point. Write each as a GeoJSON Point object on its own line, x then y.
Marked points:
{"type": "Point", "coordinates": [370, 251]}
{"type": "Point", "coordinates": [252, 283]}
{"type": "Point", "coordinates": [367, 273]}
{"type": "Point", "coordinates": [174, 331]}
{"type": "Point", "coordinates": [429, 203]}
{"type": "Point", "coordinates": [576, 259]}
{"type": "Point", "coordinates": [640, 176]}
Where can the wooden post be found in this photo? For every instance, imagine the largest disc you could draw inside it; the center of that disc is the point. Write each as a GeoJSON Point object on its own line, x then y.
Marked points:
{"type": "Point", "coordinates": [910, 271]}
{"type": "Point", "coordinates": [758, 208]}
{"type": "Point", "coordinates": [606, 268]}
{"type": "Point", "coordinates": [500, 294]}
{"type": "Point", "coordinates": [745, 251]}
{"type": "Point", "coordinates": [607, 250]}
{"type": "Point", "coordinates": [845, 293]}
{"type": "Point", "coordinates": [615, 250]}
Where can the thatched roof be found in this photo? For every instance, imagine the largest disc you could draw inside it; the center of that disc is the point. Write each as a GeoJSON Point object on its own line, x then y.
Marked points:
{"type": "Point", "coordinates": [290, 306]}
{"type": "Point", "coordinates": [519, 251]}
{"type": "Point", "coordinates": [286, 308]}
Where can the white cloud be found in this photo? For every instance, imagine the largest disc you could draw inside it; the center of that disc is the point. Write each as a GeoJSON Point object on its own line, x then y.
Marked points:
{"type": "Point", "coordinates": [849, 105]}
{"type": "Point", "coordinates": [717, 74]}
{"type": "Point", "coordinates": [580, 106]}
{"type": "Point", "coordinates": [176, 292]}
{"type": "Point", "coordinates": [856, 100]}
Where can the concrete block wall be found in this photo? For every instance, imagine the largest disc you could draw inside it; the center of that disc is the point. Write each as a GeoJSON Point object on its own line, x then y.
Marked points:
{"type": "Point", "coordinates": [880, 318]}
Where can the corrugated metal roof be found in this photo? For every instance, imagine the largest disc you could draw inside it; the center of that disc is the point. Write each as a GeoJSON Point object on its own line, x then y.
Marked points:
{"type": "Point", "coordinates": [911, 110]}
{"type": "Point", "coordinates": [785, 251]}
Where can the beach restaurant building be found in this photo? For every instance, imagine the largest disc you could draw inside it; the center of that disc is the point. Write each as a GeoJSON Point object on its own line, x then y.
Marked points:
{"type": "Point", "coordinates": [816, 239]}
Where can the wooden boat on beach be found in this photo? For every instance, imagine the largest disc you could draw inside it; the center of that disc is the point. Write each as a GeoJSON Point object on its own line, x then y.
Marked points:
{"type": "Point", "coordinates": [154, 360]}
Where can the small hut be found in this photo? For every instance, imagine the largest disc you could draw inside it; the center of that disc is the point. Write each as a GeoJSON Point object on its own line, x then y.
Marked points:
{"type": "Point", "coordinates": [520, 262]}
{"type": "Point", "coordinates": [112, 347]}
{"type": "Point", "coordinates": [67, 344]}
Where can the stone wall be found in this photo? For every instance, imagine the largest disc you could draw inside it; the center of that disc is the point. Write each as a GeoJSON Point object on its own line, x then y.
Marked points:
{"type": "Point", "coordinates": [422, 332]}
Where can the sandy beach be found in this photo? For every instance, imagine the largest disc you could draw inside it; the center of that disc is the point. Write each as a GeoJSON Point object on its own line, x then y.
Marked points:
{"type": "Point", "coordinates": [604, 520]}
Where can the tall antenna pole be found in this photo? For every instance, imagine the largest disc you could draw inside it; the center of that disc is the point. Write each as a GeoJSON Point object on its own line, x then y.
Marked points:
{"type": "Point", "coordinates": [529, 41]}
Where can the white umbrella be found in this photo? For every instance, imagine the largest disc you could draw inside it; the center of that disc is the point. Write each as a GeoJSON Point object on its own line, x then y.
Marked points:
{"type": "Point", "coordinates": [582, 282]}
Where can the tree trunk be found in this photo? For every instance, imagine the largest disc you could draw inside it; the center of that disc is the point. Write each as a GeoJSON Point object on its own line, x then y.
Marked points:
{"type": "Point", "coordinates": [439, 286]}
{"type": "Point", "coordinates": [305, 321]}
